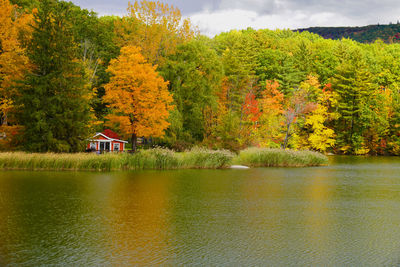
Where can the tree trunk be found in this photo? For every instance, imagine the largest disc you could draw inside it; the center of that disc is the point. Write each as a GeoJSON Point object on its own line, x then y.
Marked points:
{"type": "Point", "coordinates": [285, 143]}
{"type": "Point", "coordinates": [4, 121]}
{"type": "Point", "coordinates": [134, 142]}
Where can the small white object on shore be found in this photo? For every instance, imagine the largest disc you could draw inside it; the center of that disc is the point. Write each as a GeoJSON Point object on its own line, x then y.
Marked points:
{"type": "Point", "coordinates": [239, 167]}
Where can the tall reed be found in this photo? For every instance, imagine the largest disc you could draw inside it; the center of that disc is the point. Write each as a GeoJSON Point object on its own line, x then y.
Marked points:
{"type": "Point", "coordinates": [161, 159]}
{"type": "Point", "coordinates": [200, 158]}
{"type": "Point", "coordinates": [50, 161]}
{"type": "Point", "coordinates": [264, 157]}
{"type": "Point", "coordinates": [156, 159]}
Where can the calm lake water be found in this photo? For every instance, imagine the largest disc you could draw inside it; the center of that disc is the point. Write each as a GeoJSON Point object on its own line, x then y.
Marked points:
{"type": "Point", "coordinates": [347, 214]}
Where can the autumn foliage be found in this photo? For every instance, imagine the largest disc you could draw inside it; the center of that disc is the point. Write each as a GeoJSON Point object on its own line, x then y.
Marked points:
{"type": "Point", "coordinates": [157, 28]}
{"type": "Point", "coordinates": [137, 95]}
{"type": "Point", "coordinates": [13, 61]}
{"type": "Point", "coordinates": [271, 105]}
{"type": "Point", "coordinates": [251, 108]}
{"type": "Point", "coordinates": [151, 74]}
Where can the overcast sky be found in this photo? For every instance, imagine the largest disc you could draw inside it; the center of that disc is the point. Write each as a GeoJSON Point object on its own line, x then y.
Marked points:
{"type": "Point", "coordinates": [215, 16]}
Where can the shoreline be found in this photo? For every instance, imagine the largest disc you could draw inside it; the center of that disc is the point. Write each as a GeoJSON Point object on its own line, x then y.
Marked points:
{"type": "Point", "coordinates": [161, 159]}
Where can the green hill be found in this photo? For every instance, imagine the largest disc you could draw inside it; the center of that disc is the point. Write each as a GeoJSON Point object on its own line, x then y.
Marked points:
{"type": "Point", "coordinates": [367, 34]}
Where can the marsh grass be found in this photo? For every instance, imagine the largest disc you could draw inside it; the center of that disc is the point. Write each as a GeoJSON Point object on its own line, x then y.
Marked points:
{"type": "Point", "coordinates": [264, 157]}
{"type": "Point", "coordinates": [50, 161]}
{"type": "Point", "coordinates": [154, 159]}
{"type": "Point", "coordinates": [160, 159]}
{"type": "Point", "coordinates": [200, 158]}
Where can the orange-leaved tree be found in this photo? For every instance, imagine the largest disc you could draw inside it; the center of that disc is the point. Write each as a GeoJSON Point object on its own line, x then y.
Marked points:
{"type": "Point", "coordinates": [249, 119]}
{"type": "Point", "coordinates": [272, 119]}
{"type": "Point", "coordinates": [13, 64]}
{"type": "Point", "coordinates": [13, 61]}
{"type": "Point", "coordinates": [137, 95]}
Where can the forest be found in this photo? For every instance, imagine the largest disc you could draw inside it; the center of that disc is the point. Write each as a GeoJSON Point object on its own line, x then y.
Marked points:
{"type": "Point", "coordinates": [66, 73]}
{"type": "Point", "coordinates": [389, 33]}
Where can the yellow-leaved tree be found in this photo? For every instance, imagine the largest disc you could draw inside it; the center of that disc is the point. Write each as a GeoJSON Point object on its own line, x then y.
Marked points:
{"type": "Point", "coordinates": [321, 137]}
{"type": "Point", "coordinates": [317, 135]}
{"type": "Point", "coordinates": [157, 28]}
{"type": "Point", "coordinates": [13, 63]}
{"type": "Point", "coordinates": [137, 95]}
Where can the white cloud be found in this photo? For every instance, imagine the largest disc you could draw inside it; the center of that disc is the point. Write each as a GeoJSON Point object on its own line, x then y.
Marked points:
{"type": "Point", "coordinates": [260, 6]}
{"type": "Point", "coordinates": [215, 16]}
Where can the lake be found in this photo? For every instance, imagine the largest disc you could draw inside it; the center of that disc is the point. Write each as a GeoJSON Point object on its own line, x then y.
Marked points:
{"type": "Point", "coordinates": [346, 214]}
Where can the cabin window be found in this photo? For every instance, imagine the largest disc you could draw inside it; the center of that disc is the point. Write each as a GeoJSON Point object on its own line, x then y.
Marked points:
{"type": "Point", "coordinates": [93, 146]}
{"type": "Point", "coordinates": [116, 147]}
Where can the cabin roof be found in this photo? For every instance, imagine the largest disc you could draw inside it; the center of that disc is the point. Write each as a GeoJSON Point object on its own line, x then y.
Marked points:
{"type": "Point", "coordinates": [111, 134]}
{"type": "Point", "coordinates": [107, 138]}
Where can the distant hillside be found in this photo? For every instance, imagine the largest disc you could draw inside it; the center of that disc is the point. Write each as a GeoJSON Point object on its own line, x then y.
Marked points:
{"type": "Point", "coordinates": [367, 34]}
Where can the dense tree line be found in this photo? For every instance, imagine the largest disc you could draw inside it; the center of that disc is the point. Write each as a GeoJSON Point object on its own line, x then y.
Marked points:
{"type": "Point", "coordinates": [66, 73]}
{"type": "Point", "coordinates": [389, 33]}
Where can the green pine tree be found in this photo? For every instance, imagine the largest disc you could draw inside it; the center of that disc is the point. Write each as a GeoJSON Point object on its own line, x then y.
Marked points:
{"type": "Point", "coordinates": [354, 85]}
{"type": "Point", "coordinates": [54, 97]}
{"type": "Point", "coordinates": [279, 66]}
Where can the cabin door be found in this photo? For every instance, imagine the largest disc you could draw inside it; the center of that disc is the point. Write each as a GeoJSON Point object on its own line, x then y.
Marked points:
{"type": "Point", "coordinates": [102, 146]}
{"type": "Point", "coordinates": [105, 146]}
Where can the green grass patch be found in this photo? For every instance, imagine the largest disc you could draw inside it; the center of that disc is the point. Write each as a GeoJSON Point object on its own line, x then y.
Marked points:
{"type": "Point", "coordinates": [265, 157]}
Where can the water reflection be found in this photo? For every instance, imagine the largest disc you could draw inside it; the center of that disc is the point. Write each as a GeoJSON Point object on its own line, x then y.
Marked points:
{"type": "Point", "coordinates": [138, 219]}
{"type": "Point", "coordinates": [345, 214]}
{"type": "Point", "coordinates": [320, 218]}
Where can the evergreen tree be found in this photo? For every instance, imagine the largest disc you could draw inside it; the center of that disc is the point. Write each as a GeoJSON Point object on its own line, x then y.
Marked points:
{"type": "Point", "coordinates": [353, 83]}
{"type": "Point", "coordinates": [54, 97]}
{"type": "Point", "coordinates": [275, 65]}
{"type": "Point", "coordinates": [303, 57]}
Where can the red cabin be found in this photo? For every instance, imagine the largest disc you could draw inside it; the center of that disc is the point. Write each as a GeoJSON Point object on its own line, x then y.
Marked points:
{"type": "Point", "coordinates": [106, 141]}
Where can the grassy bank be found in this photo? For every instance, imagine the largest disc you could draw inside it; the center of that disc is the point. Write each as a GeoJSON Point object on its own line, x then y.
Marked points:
{"type": "Point", "coordinates": [145, 159]}
{"type": "Point", "coordinates": [263, 157]}
{"type": "Point", "coordinates": [160, 159]}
